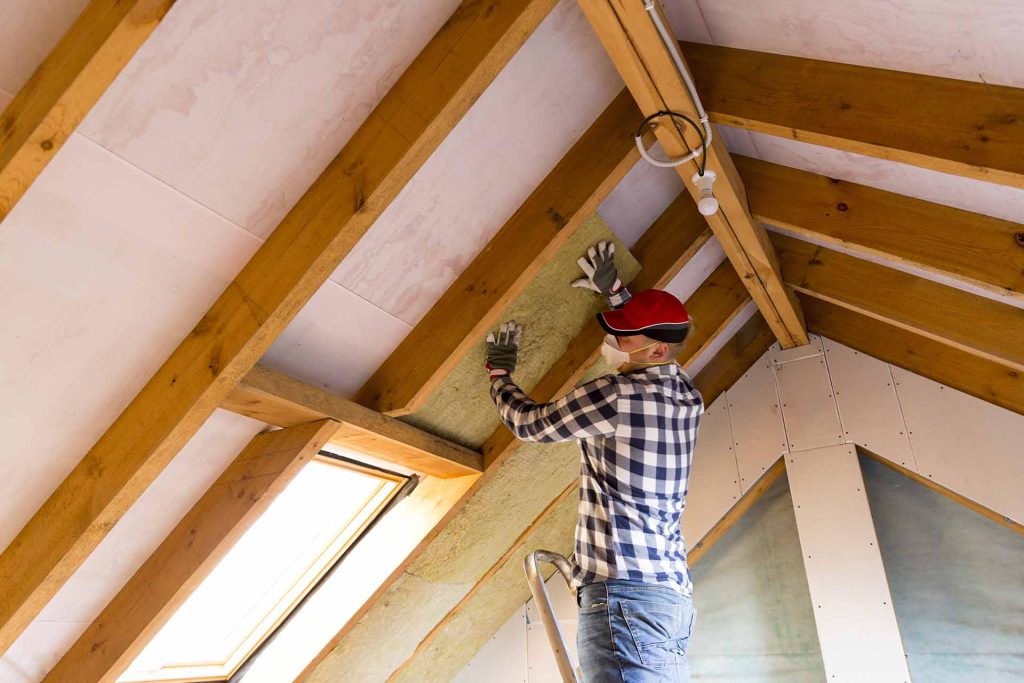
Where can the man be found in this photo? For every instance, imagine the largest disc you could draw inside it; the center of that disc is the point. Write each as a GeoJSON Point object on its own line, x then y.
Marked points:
{"type": "Point", "coordinates": [636, 431]}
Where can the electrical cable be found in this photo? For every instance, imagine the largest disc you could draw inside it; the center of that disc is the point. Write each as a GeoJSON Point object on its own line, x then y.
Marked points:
{"type": "Point", "coordinates": [702, 152]}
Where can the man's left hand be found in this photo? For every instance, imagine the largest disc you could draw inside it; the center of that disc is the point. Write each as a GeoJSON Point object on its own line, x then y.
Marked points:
{"type": "Point", "coordinates": [503, 349]}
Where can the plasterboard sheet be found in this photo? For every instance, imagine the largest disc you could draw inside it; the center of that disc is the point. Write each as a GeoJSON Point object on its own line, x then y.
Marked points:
{"type": "Point", "coordinates": [29, 29]}
{"type": "Point", "coordinates": [853, 608]}
{"type": "Point", "coordinates": [781, 355]}
{"type": "Point", "coordinates": [714, 483]}
{"type": "Point", "coordinates": [336, 341]}
{"type": "Point", "coordinates": [808, 406]}
{"type": "Point", "coordinates": [698, 362]}
{"type": "Point", "coordinates": [758, 431]}
{"type": "Point", "coordinates": [868, 404]}
{"type": "Point", "coordinates": [694, 273]}
{"type": "Point", "coordinates": [639, 198]}
{"type": "Point", "coordinates": [131, 541]}
{"type": "Point", "coordinates": [503, 658]}
{"type": "Point", "coordinates": [964, 443]}
{"type": "Point", "coordinates": [102, 272]}
{"type": "Point", "coordinates": [540, 659]}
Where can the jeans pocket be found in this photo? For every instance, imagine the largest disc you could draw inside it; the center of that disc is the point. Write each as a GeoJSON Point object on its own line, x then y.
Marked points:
{"type": "Point", "coordinates": [656, 630]}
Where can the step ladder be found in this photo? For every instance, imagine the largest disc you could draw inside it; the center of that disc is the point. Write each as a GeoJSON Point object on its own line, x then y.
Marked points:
{"type": "Point", "coordinates": [569, 672]}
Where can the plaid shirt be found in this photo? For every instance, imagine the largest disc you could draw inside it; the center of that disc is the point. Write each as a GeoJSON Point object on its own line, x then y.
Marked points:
{"type": "Point", "coordinates": [637, 432]}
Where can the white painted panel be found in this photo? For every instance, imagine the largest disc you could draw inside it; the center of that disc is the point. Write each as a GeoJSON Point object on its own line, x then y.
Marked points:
{"type": "Point", "coordinates": [808, 406]}
{"type": "Point", "coordinates": [29, 29]}
{"type": "Point", "coordinates": [102, 272]}
{"type": "Point", "coordinates": [714, 483]}
{"type": "Point", "coordinates": [758, 432]}
{"type": "Point", "coordinates": [540, 659]}
{"type": "Point", "coordinates": [503, 658]}
{"type": "Point", "coordinates": [698, 362]}
{"type": "Point", "coordinates": [132, 540]}
{"type": "Point", "coordinates": [781, 355]}
{"type": "Point", "coordinates": [965, 444]}
{"type": "Point", "coordinates": [240, 104]}
{"type": "Point", "coordinates": [694, 273]}
{"type": "Point", "coordinates": [488, 165]}
{"type": "Point", "coordinates": [868, 405]}
{"type": "Point", "coordinates": [336, 341]}
{"type": "Point", "coordinates": [38, 648]}
{"type": "Point", "coordinates": [638, 199]}
{"type": "Point", "coordinates": [853, 611]}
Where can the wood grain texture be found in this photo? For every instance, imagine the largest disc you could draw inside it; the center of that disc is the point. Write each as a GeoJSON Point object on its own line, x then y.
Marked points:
{"type": "Point", "coordinates": [976, 249]}
{"type": "Point", "coordinates": [967, 321]}
{"type": "Point", "coordinates": [735, 358]}
{"type": "Point", "coordinates": [412, 119]}
{"type": "Point", "coordinates": [71, 79]}
{"type": "Point", "coordinates": [203, 537]}
{"type": "Point", "coordinates": [969, 129]}
{"type": "Point", "coordinates": [971, 374]}
{"type": "Point", "coordinates": [273, 397]}
{"type": "Point", "coordinates": [498, 275]}
{"type": "Point", "coordinates": [645, 64]}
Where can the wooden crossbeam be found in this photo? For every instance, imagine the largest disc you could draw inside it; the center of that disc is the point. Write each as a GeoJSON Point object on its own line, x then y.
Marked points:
{"type": "Point", "coordinates": [529, 239]}
{"type": "Point", "coordinates": [190, 552]}
{"type": "Point", "coordinates": [972, 374]}
{"type": "Point", "coordinates": [275, 398]}
{"type": "Point", "coordinates": [966, 321]}
{"type": "Point", "coordinates": [970, 129]}
{"type": "Point", "coordinates": [72, 78]}
{"type": "Point", "coordinates": [401, 132]}
{"type": "Point", "coordinates": [645, 64]}
{"type": "Point", "coordinates": [975, 249]}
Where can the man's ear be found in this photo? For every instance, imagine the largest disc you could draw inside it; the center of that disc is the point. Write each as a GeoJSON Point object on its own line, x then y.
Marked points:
{"type": "Point", "coordinates": [660, 351]}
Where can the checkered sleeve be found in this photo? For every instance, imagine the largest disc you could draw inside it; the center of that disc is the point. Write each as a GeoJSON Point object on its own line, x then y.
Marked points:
{"type": "Point", "coordinates": [587, 411]}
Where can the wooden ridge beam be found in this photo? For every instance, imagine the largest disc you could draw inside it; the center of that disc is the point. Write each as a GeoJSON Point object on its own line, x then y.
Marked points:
{"type": "Point", "coordinates": [383, 154]}
{"type": "Point", "coordinates": [969, 322]}
{"type": "Point", "coordinates": [645, 64]}
{"type": "Point", "coordinates": [969, 129]}
{"type": "Point", "coordinates": [275, 398]}
{"type": "Point", "coordinates": [470, 307]}
{"type": "Point", "coordinates": [201, 539]}
{"type": "Point", "coordinates": [971, 374]}
{"type": "Point", "coordinates": [72, 78]}
{"type": "Point", "coordinates": [969, 247]}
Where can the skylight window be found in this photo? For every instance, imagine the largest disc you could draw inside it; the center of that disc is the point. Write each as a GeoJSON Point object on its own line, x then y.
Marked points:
{"type": "Point", "coordinates": [269, 570]}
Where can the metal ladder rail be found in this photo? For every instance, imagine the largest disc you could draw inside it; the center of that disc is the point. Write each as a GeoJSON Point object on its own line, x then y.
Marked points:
{"type": "Point", "coordinates": [569, 673]}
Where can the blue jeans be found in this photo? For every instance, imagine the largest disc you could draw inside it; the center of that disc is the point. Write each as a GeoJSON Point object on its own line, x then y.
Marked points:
{"type": "Point", "coordinates": [633, 632]}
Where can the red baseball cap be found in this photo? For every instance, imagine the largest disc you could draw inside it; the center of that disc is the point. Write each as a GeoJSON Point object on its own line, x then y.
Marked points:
{"type": "Point", "coordinates": [652, 313]}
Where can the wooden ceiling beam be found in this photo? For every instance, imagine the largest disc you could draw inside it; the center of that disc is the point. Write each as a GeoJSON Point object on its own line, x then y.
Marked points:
{"type": "Point", "coordinates": [969, 322]}
{"type": "Point", "coordinates": [968, 247]}
{"type": "Point", "coordinates": [64, 88]}
{"type": "Point", "coordinates": [969, 373]}
{"type": "Point", "coordinates": [961, 127]}
{"type": "Point", "coordinates": [280, 400]}
{"type": "Point", "coordinates": [645, 64]}
{"type": "Point", "coordinates": [471, 306]}
{"type": "Point", "coordinates": [190, 552]}
{"type": "Point", "coordinates": [306, 247]}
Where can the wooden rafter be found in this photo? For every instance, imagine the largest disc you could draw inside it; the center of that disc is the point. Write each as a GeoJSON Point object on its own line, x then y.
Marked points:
{"type": "Point", "coordinates": [972, 374]}
{"type": "Point", "coordinates": [735, 358]}
{"type": "Point", "coordinates": [530, 238]}
{"type": "Point", "coordinates": [72, 78]}
{"type": "Point", "coordinates": [280, 400]}
{"type": "Point", "coordinates": [966, 321]}
{"type": "Point", "coordinates": [397, 137]}
{"type": "Point", "coordinates": [978, 250]}
{"type": "Point", "coordinates": [970, 129]}
{"type": "Point", "coordinates": [200, 540]}
{"type": "Point", "coordinates": [645, 64]}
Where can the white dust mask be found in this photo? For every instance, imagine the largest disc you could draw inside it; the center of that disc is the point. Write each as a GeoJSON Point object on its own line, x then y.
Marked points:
{"type": "Point", "coordinates": [615, 356]}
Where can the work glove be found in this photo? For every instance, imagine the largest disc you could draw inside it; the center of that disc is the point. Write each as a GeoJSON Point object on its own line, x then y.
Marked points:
{"type": "Point", "coordinates": [503, 349]}
{"type": "Point", "coordinates": [601, 275]}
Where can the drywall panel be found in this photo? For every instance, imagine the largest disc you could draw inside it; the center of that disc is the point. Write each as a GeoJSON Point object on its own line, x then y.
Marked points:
{"type": "Point", "coordinates": [781, 355]}
{"type": "Point", "coordinates": [808, 406]}
{"type": "Point", "coordinates": [714, 483]}
{"type": "Point", "coordinates": [694, 273]}
{"type": "Point", "coordinates": [515, 133]}
{"type": "Point", "coordinates": [698, 362]}
{"type": "Point", "coordinates": [130, 542]}
{"type": "Point", "coordinates": [102, 272]}
{"type": "Point", "coordinates": [853, 608]}
{"type": "Point", "coordinates": [639, 198]}
{"type": "Point", "coordinates": [758, 431]}
{"type": "Point", "coordinates": [240, 104]}
{"type": "Point", "coordinates": [964, 443]}
{"type": "Point", "coordinates": [540, 658]}
{"type": "Point", "coordinates": [503, 658]}
{"type": "Point", "coordinates": [336, 341]}
{"type": "Point", "coordinates": [29, 29]}
{"type": "Point", "coordinates": [933, 546]}
{"type": "Point", "coordinates": [868, 404]}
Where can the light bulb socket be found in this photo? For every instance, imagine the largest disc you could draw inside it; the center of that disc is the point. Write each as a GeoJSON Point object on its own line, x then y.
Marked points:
{"type": "Point", "coordinates": [707, 204]}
